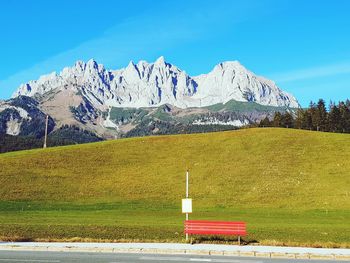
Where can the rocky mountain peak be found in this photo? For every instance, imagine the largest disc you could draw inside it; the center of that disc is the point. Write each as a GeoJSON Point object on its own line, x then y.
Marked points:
{"type": "Point", "coordinates": [152, 84]}
{"type": "Point", "coordinates": [160, 61]}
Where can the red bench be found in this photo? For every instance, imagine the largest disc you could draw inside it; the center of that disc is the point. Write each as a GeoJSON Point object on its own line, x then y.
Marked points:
{"type": "Point", "coordinates": [205, 227]}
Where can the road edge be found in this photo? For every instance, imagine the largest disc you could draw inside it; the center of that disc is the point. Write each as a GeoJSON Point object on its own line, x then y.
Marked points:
{"type": "Point", "coordinates": [161, 248]}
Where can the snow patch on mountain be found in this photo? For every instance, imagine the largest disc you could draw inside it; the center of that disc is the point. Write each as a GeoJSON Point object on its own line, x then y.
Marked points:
{"type": "Point", "coordinates": [214, 121]}
{"type": "Point", "coordinates": [108, 123]}
{"type": "Point", "coordinates": [14, 120]}
{"type": "Point", "coordinates": [13, 127]}
{"type": "Point", "coordinates": [22, 112]}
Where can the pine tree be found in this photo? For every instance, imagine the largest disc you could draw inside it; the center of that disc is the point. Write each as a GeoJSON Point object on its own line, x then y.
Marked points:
{"type": "Point", "coordinates": [334, 119]}
{"type": "Point", "coordinates": [298, 122]}
{"type": "Point", "coordinates": [344, 117]}
{"type": "Point", "coordinates": [307, 120]}
{"type": "Point", "coordinates": [321, 118]}
{"type": "Point", "coordinates": [265, 122]}
{"type": "Point", "coordinates": [287, 120]}
{"type": "Point", "coordinates": [314, 116]}
{"type": "Point", "coordinates": [277, 119]}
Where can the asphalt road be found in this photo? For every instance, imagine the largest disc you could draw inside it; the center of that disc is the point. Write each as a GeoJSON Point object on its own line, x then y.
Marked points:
{"type": "Point", "coordinates": [70, 257]}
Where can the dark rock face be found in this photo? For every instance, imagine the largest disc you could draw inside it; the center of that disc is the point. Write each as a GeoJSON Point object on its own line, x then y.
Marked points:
{"type": "Point", "coordinates": [33, 124]}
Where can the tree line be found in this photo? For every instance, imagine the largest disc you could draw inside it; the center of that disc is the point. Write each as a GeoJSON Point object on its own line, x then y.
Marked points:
{"type": "Point", "coordinates": [65, 135]}
{"type": "Point", "coordinates": [316, 117]}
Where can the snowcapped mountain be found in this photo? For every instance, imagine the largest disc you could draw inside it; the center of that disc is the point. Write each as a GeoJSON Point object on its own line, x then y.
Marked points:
{"type": "Point", "coordinates": [141, 99]}
{"type": "Point", "coordinates": [153, 84]}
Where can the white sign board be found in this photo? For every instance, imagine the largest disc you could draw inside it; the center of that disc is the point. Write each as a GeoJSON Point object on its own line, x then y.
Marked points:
{"type": "Point", "coordinates": [186, 205]}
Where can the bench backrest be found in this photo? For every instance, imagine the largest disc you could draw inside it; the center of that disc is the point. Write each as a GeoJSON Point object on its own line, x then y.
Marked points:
{"type": "Point", "coordinates": [206, 227]}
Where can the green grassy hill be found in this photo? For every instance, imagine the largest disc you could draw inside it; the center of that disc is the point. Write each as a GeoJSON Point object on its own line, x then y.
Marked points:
{"type": "Point", "coordinates": [242, 106]}
{"type": "Point", "coordinates": [291, 186]}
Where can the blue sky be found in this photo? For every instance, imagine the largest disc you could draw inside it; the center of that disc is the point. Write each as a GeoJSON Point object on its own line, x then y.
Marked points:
{"type": "Point", "coordinates": [304, 46]}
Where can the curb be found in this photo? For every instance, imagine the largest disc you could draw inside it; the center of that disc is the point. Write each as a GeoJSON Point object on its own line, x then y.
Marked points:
{"type": "Point", "coordinates": [237, 253]}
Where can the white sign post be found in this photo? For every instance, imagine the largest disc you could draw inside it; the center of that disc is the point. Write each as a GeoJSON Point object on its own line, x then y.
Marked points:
{"type": "Point", "coordinates": [187, 202]}
{"type": "Point", "coordinates": [187, 206]}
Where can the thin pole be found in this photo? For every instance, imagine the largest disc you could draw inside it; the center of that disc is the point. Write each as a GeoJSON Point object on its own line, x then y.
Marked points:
{"type": "Point", "coordinates": [46, 124]}
{"type": "Point", "coordinates": [187, 175]}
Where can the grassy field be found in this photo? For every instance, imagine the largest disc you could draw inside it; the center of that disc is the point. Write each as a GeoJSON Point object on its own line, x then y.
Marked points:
{"type": "Point", "coordinates": [292, 187]}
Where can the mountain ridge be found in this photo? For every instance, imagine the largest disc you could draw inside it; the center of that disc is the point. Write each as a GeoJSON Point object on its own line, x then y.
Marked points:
{"type": "Point", "coordinates": [153, 84]}
{"type": "Point", "coordinates": [143, 99]}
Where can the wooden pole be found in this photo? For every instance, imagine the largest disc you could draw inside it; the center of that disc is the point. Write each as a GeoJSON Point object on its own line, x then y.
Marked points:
{"type": "Point", "coordinates": [187, 175]}
{"type": "Point", "coordinates": [46, 124]}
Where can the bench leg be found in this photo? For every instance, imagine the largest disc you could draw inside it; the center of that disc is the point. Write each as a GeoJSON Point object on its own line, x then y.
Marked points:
{"type": "Point", "coordinates": [239, 240]}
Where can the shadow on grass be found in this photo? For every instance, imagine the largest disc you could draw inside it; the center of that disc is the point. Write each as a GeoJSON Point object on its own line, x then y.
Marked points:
{"type": "Point", "coordinates": [16, 239]}
{"type": "Point", "coordinates": [220, 240]}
